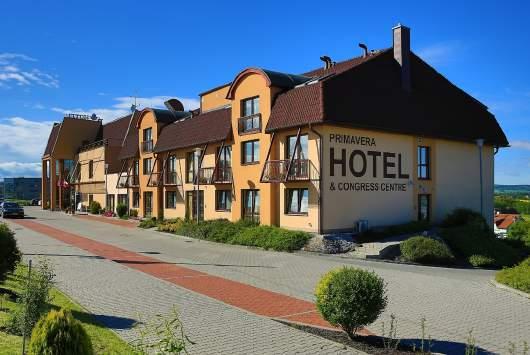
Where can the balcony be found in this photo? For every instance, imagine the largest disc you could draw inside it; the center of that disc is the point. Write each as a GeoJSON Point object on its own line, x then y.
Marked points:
{"type": "Point", "coordinates": [155, 179]}
{"type": "Point", "coordinates": [147, 146]}
{"type": "Point", "coordinates": [204, 176]}
{"type": "Point", "coordinates": [301, 170]}
{"type": "Point", "coordinates": [222, 175]}
{"type": "Point", "coordinates": [128, 181]}
{"type": "Point", "coordinates": [249, 124]}
{"type": "Point", "coordinates": [172, 178]}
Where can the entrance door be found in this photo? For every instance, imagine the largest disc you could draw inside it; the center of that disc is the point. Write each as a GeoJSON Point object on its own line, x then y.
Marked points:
{"type": "Point", "coordinates": [148, 204]}
{"type": "Point", "coordinates": [251, 205]}
{"type": "Point", "coordinates": [191, 205]}
{"type": "Point", "coordinates": [110, 203]}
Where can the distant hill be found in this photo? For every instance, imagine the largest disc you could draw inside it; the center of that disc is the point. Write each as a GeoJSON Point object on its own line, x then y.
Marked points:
{"type": "Point", "coordinates": [513, 189]}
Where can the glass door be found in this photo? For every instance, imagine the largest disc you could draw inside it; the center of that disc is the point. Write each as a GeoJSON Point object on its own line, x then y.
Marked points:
{"type": "Point", "coordinates": [251, 205]}
{"type": "Point", "coordinates": [191, 205]}
{"type": "Point", "coordinates": [148, 204]}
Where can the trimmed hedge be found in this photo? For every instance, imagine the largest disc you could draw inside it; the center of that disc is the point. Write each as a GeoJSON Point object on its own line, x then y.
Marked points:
{"type": "Point", "coordinates": [351, 298]}
{"type": "Point", "coordinates": [464, 217]}
{"type": "Point", "coordinates": [9, 252]}
{"type": "Point", "coordinates": [239, 233]}
{"type": "Point", "coordinates": [94, 207]}
{"type": "Point", "coordinates": [149, 223]}
{"type": "Point", "coordinates": [121, 210]}
{"type": "Point", "coordinates": [375, 234]}
{"type": "Point", "coordinates": [425, 250]}
{"type": "Point", "coordinates": [517, 277]}
{"type": "Point", "coordinates": [58, 333]}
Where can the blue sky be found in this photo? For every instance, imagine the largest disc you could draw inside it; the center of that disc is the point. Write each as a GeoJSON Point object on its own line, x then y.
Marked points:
{"type": "Point", "coordinates": [92, 56]}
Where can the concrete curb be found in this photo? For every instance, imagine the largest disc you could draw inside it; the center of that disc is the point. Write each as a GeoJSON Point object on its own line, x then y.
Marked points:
{"type": "Point", "coordinates": [510, 289]}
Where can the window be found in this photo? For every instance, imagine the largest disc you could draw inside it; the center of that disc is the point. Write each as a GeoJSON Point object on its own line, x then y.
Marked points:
{"type": "Point", "coordinates": [223, 200]}
{"type": "Point", "coordinates": [136, 199]}
{"type": "Point", "coordinates": [250, 152]}
{"type": "Point", "coordinates": [91, 169]}
{"type": "Point", "coordinates": [297, 201]}
{"type": "Point", "coordinates": [299, 150]}
{"type": "Point", "coordinates": [110, 203]}
{"type": "Point", "coordinates": [147, 144]}
{"type": "Point", "coordinates": [171, 176]}
{"type": "Point", "coordinates": [424, 162]}
{"type": "Point", "coordinates": [136, 168]}
{"type": "Point", "coordinates": [250, 106]}
{"type": "Point", "coordinates": [424, 207]}
{"type": "Point", "coordinates": [192, 165]}
{"type": "Point", "coordinates": [122, 199]}
{"type": "Point", "coordinates": [148, 134]}
{"type": "Point", "coordinates": [251, 205]}
{"type": "Point", "coordinates": [171, 199]}
{"type": "Point", "coordinates": [147, 166]}
{"type": "Point", "coordinates": [223, 172]}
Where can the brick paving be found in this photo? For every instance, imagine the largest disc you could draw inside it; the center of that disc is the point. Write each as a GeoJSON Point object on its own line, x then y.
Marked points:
{"type": "Point", "coordinates": [118, 294]}
{"type": "Point", "coordinates": [109, 220]}
{"type": "Point", "coordinates": [453, 301]}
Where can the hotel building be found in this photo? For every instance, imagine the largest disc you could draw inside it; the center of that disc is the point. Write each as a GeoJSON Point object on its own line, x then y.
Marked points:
{"type": "Point", "coordinates": [376, 140]}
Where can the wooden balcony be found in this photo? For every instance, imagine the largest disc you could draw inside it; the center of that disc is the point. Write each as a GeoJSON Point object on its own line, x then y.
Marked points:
{"type": "Point", "coordinates": [222, 175]}
{"type": "Point", "coordinates": [171, 178]}
{"type": "Point", "coordinates": [155, 179]}
{"type": "Point", "coordinates": [126, 181]}
{"type": "Point", "coordinates": [204, 176]}
{"type": "Point", "coordinates": [276, 171]}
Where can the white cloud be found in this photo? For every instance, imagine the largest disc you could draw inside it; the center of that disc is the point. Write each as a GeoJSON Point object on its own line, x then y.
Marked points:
{"type": "Point", "coordinates": [123, 104]}
{"type": "Point", "coordinates": [439, 53]}
{"type": "Point", "coordinates": [24, 139]}
{"type": "Point", "coordinates": [14, 69]}
{"type": "Point", "coordinates": [521, 145]}
{"type": "Point", "coordinates": [17, 169]}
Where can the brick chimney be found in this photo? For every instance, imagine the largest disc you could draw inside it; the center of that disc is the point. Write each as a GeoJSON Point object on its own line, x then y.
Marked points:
{"type": "Point", "coordinates": [401, 45]}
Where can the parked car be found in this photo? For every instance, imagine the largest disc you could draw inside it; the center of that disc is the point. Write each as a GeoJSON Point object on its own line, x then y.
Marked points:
{"type": "Point", "coordinates": [11, 209]}
{"type": "Point", "coordinates": [35, 202]}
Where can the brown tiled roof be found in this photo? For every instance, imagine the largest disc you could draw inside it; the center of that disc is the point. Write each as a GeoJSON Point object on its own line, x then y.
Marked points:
{"type": "Point", "coordinates": [344, 65]}
{"type": "Point", "coordinates": [370, 96]}
{"type": "Point", "coordinates": [207, 127]}
{"type": "Point", "coordinates": [503, 221]}
{"type": "Point", "coordinates": [114, 133]}
{"type": "Point", "coordinates": [52, 138]}
{"type": "Point", "coordinates": [130, 144]}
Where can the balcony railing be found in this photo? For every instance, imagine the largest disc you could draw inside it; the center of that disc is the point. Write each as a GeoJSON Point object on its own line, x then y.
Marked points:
{"type": "Point", "coordinates": [222, 175]}
{"type": "Point", "coordinates": [249, 124]}
{"type": "Point", "coordinates": [155, 179]}
{"type": "Point", "coordinates": [147, 146]}
{"type": "Point", "coordinates": [128, 181]}
{"type": "Point", "coordinates": [204, 176]}
{"type": "Point", "coordinates": [277, 170]}
{"type": "Point", "coordinates": [172, 178]}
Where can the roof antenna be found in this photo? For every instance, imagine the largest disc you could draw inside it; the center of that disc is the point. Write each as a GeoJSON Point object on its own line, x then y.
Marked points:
{"type": "Point", "coordinates": [327, 61]}
{"type": "Point", "coordinates": [133, 106]}
{"type": "Point", "coordinates": [365, 49]}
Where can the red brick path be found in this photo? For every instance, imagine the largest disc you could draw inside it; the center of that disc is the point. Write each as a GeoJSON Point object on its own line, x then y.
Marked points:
{"type": "Point", "coordinates": [109, 220]}
{"type": "Point", "coordinates": [256, 300]}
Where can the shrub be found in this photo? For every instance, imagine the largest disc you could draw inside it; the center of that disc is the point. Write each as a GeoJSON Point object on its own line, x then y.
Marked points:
{"type": "Point", "coordinates": [481, 260]}
{"type": "Point", "coordinates": [464, 217]}
{"type": "Point", "coordinates": [149, 223]}
{"type": "Point", "coordinates": [121, 210]}
{"type": "Point", "coordinates": [9, 253]}
{"type": "Point", "coordinates": [426, 251]}
{"type": "Point", "coordinates": [517, 277]}
{"type": "Point", "coordinates": [274, 238]}
{"type": "Point", "coordinates": [33, 299]}
{"type": "Point", "coordinates": [472, 240]}
{"type": "Point", "coordinates": [58, 333]}
{"type": "Point", "coordinates": [351, 298]}
{"type": "Point", "coordinates": [519, 232]}
{"type": "Point", "coordinates": [94, 207]}
{"type": "Point", "coordinates": [373, 235]}
{"type": "Point", "coordinates": [133, 213]}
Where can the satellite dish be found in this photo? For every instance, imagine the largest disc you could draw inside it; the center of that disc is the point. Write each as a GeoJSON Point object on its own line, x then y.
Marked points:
{"type": "Point", "coordinates": [133, 107]}
{"type": "Point", "coordinates": [94, 117]}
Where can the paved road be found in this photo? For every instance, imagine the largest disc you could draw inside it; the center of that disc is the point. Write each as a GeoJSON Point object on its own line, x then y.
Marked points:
{"type": "Point", "coordinates": [453, 301]}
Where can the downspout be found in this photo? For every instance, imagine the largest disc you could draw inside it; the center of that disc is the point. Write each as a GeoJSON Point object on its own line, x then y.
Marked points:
{"type": "Point", "coordinates": [320, 190]}
{"type": "Point", "coordinates": [480, 144]}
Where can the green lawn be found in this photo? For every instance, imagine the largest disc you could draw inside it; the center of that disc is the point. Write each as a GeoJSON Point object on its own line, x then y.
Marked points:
{"type": "Point", "coordinates": [103, 339]}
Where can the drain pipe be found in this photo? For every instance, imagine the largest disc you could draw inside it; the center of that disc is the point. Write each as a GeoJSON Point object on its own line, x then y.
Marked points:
{"type": "Point", "coordinates": [480, 145]}
{"type": "Point", "coordinates": [320, 191]}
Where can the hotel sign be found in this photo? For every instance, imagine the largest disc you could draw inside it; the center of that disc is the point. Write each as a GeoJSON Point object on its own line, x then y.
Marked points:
{"type": "Point", "coordinates": [363, 166]}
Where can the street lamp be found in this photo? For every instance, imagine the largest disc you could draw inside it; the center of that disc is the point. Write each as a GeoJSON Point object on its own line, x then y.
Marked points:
{"type": "Point", "coordinates": [197, 182]}
{"type": "Point", "coordinates": [106, 196]}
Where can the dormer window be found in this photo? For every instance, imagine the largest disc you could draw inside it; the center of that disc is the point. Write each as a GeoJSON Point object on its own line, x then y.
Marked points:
{"type": "Point", "coordinates": [250, 120]}
{"type": "Point", "coordinates": [147, 144]}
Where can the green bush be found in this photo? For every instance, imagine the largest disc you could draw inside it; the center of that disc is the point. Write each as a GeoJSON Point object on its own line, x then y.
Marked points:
{"type": "Point", "coordinates": [121, 210]}
{"type": "Point", "coordinates": [149, 223]}
{"type": "Point", "coordinates": [474, 240]}
{"type": "Point", "coordinates": [33, 299]}
{"type": "Point", "coordinates": [464, 217]}
{"type": "Point", "coordinates": [426, 251]}
{"type": "Point", "coordinates": [58, 333]}
{"type": "Point", "coordinates": [519, 232]}
{"type": "Point", "coordinates": [94, 207]}
{"type": "Point", "coordinates": [375, 234]}
{"type": "Point", "coordinates": [481, 260]}
{"type": "Point", "coordinates": [133, 213]}
{"type": "Point", "coordinates": [351, 298]}
{"type": "Point", "coordinates": [274, 238]}
{"type": "Point", "coordinates": [517, 277]}
{"type": "Point", "coordinates": [9, 253]}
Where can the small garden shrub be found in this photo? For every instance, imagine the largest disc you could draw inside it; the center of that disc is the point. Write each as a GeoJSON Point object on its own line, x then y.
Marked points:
{"type": "Point", "coordinates": [9, 253]}
{"type": "Point", "coordinates": [517, 277]}
{"type": "Point", "coordinates": [519, 232]}
{"type": "Point", "coordinates": [133, 213]}
{"type": "Point", "coordinates": [149, 223]}
{"type": "Point", "coordinates": [274, 238]}
{"type": "Point", "coordinates": [94, 207]}
{"type": "Point", "coordinates": [426, 251]}
{"type": "Point", "coordinates": [33, 299]}
{"type": "Point", "coordinates": [464, 217]}
{"type": "Point", "coordinates": [373, 235]}
{"type": "Point", "coordinates": [351, 298]}
{"type": "Point", "coordinates": [58, 333]}
{"type": "Point", "coordinates": [481, 260]}
{"type": "Point", "coordinates": [121, 210]}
